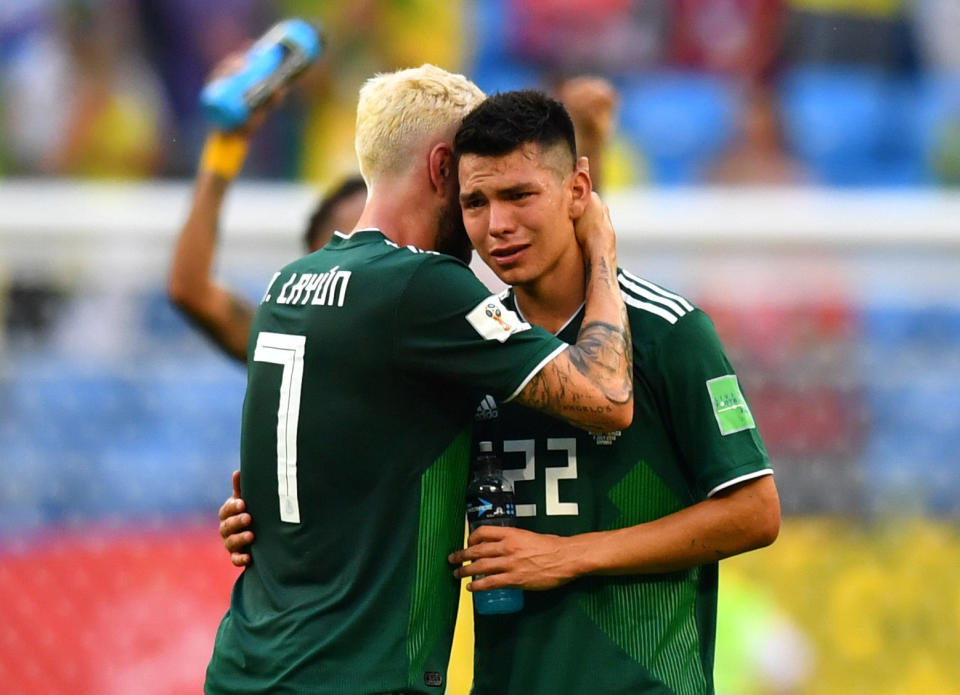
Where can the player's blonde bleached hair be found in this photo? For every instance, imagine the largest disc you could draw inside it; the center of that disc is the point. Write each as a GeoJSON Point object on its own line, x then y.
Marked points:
{"type": "Point", "coordinates": [398, 111]}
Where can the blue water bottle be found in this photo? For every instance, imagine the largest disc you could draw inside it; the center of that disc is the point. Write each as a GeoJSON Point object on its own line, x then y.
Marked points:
{"type": "Point", "coordinates": [276, 58]}
{"type": "Point", "coordinates": [490, 501]}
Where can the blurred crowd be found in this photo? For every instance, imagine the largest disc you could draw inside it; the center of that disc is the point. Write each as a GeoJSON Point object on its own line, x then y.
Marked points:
{"type": "Point", "coordinates": [838, 92]}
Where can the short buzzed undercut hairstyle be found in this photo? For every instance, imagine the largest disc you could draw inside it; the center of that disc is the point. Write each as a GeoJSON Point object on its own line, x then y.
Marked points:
{"type": "Point", "coordinates": [505, 121]}
{"type": "Point", "coordinates": [399, 111]}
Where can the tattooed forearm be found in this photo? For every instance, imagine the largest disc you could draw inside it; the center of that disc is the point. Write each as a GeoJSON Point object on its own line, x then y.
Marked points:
{"type": "Point", "coordinates": [604, 275]}
{"type": "Point", "coordinates": [604, 354]}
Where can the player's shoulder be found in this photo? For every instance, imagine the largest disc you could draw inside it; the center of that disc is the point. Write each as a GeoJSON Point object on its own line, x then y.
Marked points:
{"type": "Point", "coordinates": [422, 262]}
{"type": "Point", "coordinates": [372, 249]}
{"type": "Point", "coordinates": [654, 310]}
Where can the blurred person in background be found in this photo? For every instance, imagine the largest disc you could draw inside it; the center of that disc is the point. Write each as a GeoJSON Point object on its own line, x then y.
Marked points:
{"type": "Point", "coordinates": [838, 32]}
{"type": "Point", "coordinates": [79, 99]}
{"type": "Point", "coordinates": [936, 26]}
{"type": "Point", "coordinates": [758, 154]}
{"type": "Point", "coordinates": [363, 620]}
{"type": "Point", "coordinates": [218, 311]}
{"type": "Point", "coordinates": [185, 40]}
{"type": "Point", "coordinates": [364, 37]}
{"type": "Point", "coordinates": [646, 511]}
{"type": "Point", "coordinates": [607, 37]}
{"type": "Point", "coordinates": [735, 38]}
{"type": "Point", "coordinates": [591, 102]}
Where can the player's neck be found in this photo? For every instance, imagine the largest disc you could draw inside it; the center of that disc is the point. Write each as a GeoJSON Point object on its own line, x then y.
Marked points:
{"type": "Point", "coordinates": [400, 214]}
{"type": "Point", "coordinates": [554, 297]}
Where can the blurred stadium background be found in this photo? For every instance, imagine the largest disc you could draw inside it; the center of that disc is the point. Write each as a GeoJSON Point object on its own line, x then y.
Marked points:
{"type": "Point", "coordinates": [788, 164]}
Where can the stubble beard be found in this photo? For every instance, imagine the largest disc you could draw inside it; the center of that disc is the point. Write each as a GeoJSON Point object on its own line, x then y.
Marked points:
{"type": "Point", "coordinates": [452, 236]}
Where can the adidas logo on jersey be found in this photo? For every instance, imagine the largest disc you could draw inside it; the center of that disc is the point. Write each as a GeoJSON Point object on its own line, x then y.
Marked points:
{"type": "Point", "coordinates": [642, 294]}
{"type": "Point", "coordinates": [487, 410]}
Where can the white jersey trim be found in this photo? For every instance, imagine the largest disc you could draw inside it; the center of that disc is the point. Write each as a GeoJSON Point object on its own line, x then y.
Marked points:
{"type": "Point", "coordinates": [347, 236]}
{"type": "Point", "coordinates": [543, 363]}
{"type": "Point", "coordinates": [659, 290]}
{"type": "Point", "coordinates": [740, 479]}
{"type": "Point", "coordinates": [647, 306]}
{"type": "Point", "coordinates": [643, 293]}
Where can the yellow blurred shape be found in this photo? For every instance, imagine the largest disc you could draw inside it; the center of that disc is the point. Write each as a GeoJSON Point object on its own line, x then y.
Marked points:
{"type": "Point", "coordinates": [879, 602]}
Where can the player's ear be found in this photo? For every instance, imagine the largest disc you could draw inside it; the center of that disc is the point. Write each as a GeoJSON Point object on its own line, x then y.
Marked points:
{"type": "Point", "coordinates": [580, 188]}
{"type": "Point", "coordinates": [441, 167]}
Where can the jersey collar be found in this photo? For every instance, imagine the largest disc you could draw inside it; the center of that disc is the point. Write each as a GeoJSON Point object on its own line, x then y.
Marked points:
{"type": "Point", "coordinates": [358, 236]}
{"type": "Point", "coordinates": [573, 317]}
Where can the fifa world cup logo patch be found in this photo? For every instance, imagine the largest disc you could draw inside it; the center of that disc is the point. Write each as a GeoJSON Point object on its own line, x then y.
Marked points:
{"type": "Point", "coordinates": [492, 320]}
{"type": "Point", "coordinates": [493, 311]}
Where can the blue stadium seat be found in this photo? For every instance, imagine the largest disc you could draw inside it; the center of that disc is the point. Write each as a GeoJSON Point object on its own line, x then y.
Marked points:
{"type": "Point", "coordinates": [680, 121]}
{"type": "Point", "coordinates": [852, 126]}
{"type": "Point", "coordinates": [912, 388]}
{"type": "Point", "coordinates": [493, 69]}
{"type": "Point", "coordinates": [163, 322]}
{"type": "Point", "coordinates": [105, 442]}
{"type": "Point", "coordinates": [896, 327]}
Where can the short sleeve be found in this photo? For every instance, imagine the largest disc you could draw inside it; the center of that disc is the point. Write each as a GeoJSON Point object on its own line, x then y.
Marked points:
{"type": "Point", "coordinates": [711, 418]}
{"type": "Point", "coordinates": [449, 324]}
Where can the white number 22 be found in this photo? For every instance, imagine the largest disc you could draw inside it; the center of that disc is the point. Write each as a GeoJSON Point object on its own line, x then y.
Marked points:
{"type": "Point", "coordinates": [285, 350]}
{"type": "Point", "coordinates": [553, 474]}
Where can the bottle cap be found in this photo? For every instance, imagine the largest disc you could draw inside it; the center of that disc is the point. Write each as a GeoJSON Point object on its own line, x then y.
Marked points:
{"type": "Point", "coordinates": [485, 447]}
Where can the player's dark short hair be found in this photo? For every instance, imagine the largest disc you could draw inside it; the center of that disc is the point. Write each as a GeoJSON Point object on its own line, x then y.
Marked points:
{"type": "Point", "coordinates": [319, 227]}
{"type": "Point", "coordinates": [505, 121]}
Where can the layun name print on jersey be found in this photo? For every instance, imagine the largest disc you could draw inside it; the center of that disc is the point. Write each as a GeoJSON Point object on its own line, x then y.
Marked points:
{"type": "Point", "coordinates": [316, 289]}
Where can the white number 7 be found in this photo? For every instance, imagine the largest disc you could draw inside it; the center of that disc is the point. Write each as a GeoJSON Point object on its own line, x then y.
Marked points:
{"type": "Point", "coordinates": [286, 350]}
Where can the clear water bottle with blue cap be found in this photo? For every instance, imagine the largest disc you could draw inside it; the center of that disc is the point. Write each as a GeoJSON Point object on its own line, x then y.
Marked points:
{"type": "Point", "coordinates": [287, 49]}
{"type": "Point", "coordinates": [490, 501]}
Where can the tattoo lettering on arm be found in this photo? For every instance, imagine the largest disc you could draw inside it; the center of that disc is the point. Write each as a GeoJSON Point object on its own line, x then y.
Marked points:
{"type": "Point", "coordinates": [598, 355]}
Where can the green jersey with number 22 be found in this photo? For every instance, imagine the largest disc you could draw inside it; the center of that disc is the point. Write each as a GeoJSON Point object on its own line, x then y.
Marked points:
{"type": "Point", "coordinates": [692, 435]}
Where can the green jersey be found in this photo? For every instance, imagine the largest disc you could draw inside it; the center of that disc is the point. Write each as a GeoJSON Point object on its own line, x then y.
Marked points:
{"type": "Point", "coordinates": [692, 434]}
{"type": "Point", "coordinates": [366, 364]}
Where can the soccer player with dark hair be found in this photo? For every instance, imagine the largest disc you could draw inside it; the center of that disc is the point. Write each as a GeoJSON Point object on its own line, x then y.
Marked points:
{"type": "Point", "coordinates": [625, 529]}
{"type": "Point", "coordinates": [338, 209]}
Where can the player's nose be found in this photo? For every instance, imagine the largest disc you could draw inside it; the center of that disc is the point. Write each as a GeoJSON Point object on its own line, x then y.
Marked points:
{"type": "Point", "coordinates": [500, 221]}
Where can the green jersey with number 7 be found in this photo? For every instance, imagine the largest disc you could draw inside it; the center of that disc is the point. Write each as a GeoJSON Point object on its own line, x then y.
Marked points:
{"type": "Point", "coordinates": [367, 361]}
